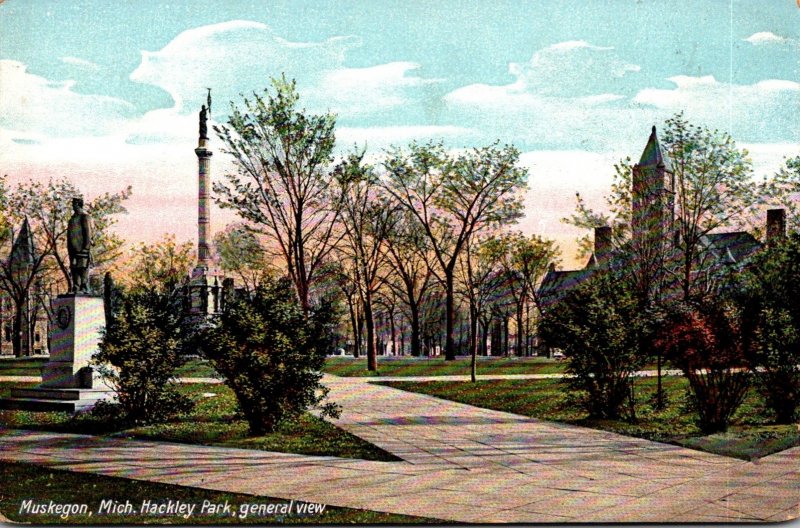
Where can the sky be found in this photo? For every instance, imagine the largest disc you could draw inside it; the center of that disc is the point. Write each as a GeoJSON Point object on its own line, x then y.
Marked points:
{"type": "Point", "coordinates": [107, 93]}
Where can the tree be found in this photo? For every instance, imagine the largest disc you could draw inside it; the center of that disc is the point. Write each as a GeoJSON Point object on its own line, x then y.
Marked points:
{"type": "Point", "coordinates": [271, 354]}
{"type": "Point", "coordinates": [48, 207]}
{"type": "Point", "coordinates": [708, 341]}
{"type": "Point", "coordinates": [599, 327]}
{"type": "Point", "coordinates": [480, 279]}
{"type": "Point", "coordinates": [366, 221]}
{"type": "Point", "coordinates": [713, 189]}
{"type": "Point", "coordinates": [409, 253]}
{"type": "Point", "coordinates": [524, 261]}
{"type": "Point", "coordinates": [164, 264]}
{"type": "Point", "coordinates": [241, 254]}
{"type": "Point", "coordinates": [772, 287]}
{"type": "Point", "coordinates": [453, 198]}
{"type": "Point", "coordinates": [282, 184]}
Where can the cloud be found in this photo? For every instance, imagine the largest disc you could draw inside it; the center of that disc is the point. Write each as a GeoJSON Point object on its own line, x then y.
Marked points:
{"type": "Point", "coordinates": [81, 63]}
{"type": "Point", "coordinates": [765, 37]}
{"type": "Point", "coordinates": [34, 106]}
{"type": "Point", "coordinates": [357, 91]}
{"type": "Point", "coordinates": [759, 112]}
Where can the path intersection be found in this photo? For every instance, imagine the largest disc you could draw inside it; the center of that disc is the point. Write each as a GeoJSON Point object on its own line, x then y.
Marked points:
{"type": "Point", "coordinates": [459, 463]}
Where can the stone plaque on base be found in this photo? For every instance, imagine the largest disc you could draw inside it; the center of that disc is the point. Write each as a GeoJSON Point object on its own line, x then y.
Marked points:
{"type": "Point", "coordinates": [74, 337]}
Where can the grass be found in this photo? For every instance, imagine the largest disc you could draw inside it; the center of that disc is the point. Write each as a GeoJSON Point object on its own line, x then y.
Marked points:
{"type": "Point", "coordinates": [64, 487]}
{"type": "Point", "coordinates": [752, 434]}
{"type": "Point", "coordinates": [437, 366]}
{"type": "Point", "coordinates": [213, 421]}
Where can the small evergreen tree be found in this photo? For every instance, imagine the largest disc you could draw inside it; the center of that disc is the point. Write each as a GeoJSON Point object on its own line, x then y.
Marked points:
{"type": "Point", "coordinates": [271, 354]}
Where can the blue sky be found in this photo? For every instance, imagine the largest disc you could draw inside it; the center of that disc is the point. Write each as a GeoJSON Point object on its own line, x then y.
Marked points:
{"type": "Point", "coordinates": [107, 92]}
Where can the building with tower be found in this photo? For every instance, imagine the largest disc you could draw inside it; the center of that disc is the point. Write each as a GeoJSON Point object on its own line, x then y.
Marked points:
{"type": "Point", "coordinates": [654, 233]}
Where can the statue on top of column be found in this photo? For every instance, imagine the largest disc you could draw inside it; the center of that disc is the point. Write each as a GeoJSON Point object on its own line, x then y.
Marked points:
{"type": "Point", "coordinates": [204, 111]}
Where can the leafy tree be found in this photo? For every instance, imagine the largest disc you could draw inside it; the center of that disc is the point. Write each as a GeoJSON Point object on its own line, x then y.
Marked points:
{"type": "Point", "coordinates": [453, 198]}
{"type": "Point", "coordinates": [598, 325]}
{"type": "Point", "coordinates": [49, 207]}
{"type": "Point", "coordinates": [708, 341]}
{"type": "Point", "coordinates": [772, 290]}
{"type": "Point", "coordinates": [481, 280]}
{"type": "Point", "coordinates": [408, 251]}
{"type": "Point", "coordinates": [240, 253]}
{"type": "Point", "coordinates": [163, 264]}
{"type": "Point", "coordinates": [366, 221]}
{"type": "Point", "coordinates": [713, 189]}
{"type": "Point", "coordinates": [783, 190]}
{"type": "Point", "coordinates": [282, 184]}
{"type": "Point", "coordinates": [271, 354]}
{"type": "Point", "coordinates": [524, 262]}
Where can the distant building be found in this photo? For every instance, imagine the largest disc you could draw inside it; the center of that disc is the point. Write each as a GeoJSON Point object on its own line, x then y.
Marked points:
{"type": "Point", "coordinates": [653, 227]}
{"type": "Point", "coordinates": [31, 328]}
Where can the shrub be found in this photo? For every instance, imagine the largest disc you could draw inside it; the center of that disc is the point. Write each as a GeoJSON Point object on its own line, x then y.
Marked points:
{"type": "Point", "coordinates": [271, 355]}
{"type": "Point", "coordinates": [600, 328]}
{"type": "Point", "coordinates": [707, 341]}
{"type": "Point", "coordinates": [773, 290]}
{"type": "Point", "coordinates": [139, 353]}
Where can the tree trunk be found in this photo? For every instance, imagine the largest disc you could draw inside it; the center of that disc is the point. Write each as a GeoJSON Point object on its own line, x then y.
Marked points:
{"type": "Point", "coordinates": [450, 344]}
{"type": "Point", "coordinates": [17, 328]}
{"type": "Point", "coordinates": [416, 342]}
{"type": "Point", "coordinates": [354, 323]}
{"type": "Point", "coordinates": [473, 330]}
{"type": "Point", "coordinates": [520, 334]}
{"type": "Point", "coordinates": [505, 334]}
{"type": "Point", "coordinates": [372, 358]}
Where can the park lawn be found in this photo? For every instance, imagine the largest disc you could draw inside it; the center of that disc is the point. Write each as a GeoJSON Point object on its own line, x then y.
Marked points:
{"type": "Point", "coordinates": [214, 421]}
{"type": "Point", "coordinates": [437, 366]}
{"type": "Point", "coordinates": [24, 481]}
{"type": "Point", "coordinates": [752, 434]}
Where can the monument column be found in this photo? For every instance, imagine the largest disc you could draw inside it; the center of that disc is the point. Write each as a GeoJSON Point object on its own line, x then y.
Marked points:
{"type": "Point", "coordinates": [203, 206]}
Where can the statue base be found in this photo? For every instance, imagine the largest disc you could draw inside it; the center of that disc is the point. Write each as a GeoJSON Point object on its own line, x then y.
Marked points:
{"type": "Point", "coordinates": [69, 381]}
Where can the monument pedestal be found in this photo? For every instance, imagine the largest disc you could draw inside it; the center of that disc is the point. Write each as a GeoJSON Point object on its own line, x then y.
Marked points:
{"type": "Point", "coordinates": [69, 382]}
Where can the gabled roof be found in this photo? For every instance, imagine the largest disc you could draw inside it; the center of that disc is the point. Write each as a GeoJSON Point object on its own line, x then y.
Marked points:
{"type": "Point", "coordinates": [732, 248]}
{"type": "Point", "coordinates": [557, 284]}
{"type": "Point", "coordinates": [654, 155]}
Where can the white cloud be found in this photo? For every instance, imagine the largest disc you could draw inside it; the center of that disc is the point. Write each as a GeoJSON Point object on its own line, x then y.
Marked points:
{"type": "Point", "coordinates": [34, 106]}
{"type": "Point", "coordinates": [759, 112]}
{"type": "Point", "coordinates": [81, 63]}
{"type": "Point", "coordinates": [765, 37]}
{"type": "Point", "coordinates": [358, 91]}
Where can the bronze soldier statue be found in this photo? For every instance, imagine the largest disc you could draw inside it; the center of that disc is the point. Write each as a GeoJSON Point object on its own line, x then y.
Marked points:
{"type": "Point", "coordinates": [79, 244]}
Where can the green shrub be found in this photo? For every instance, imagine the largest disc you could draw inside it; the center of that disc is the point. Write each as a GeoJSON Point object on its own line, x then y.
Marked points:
{"type": "Point", "coordinates": [599, 327]}
{"type": "Point", "coordinates": [271, 355]}
{"type": "Point", "coordinates": [773, 290]}
{"type": "Point", "coordinates": [139, 353]}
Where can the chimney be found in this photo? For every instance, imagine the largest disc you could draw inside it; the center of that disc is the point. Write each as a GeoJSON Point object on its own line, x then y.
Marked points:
{"type": "Point", "coordinates": [776, 226]}
{"type": "Point", "coordinates": [602, 243]}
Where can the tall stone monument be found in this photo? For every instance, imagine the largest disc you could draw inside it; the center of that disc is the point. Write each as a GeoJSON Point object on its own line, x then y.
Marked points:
{"type": "Point", "coordinates": [204, 287]}
{"type": "Point", "coordinates": [69, 382]}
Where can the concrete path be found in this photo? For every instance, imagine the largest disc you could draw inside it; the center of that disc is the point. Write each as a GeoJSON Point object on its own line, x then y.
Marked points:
{"type": "Point", "coordinates": [460, 463]}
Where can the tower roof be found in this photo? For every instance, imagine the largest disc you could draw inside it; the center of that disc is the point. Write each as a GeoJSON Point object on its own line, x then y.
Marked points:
{"type": "Point", "coordinates": [23, 253]}
{"type": "Point", "coordinates": [654, 155]}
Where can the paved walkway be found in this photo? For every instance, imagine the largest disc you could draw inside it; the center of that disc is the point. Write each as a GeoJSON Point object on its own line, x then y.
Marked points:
{"type": "Point", "coordinates": [460, 463]}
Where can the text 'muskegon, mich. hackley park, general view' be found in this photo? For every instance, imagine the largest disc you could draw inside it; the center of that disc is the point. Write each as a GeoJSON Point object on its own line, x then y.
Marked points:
{"type": "Point", "coordinates": [399, 263]}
